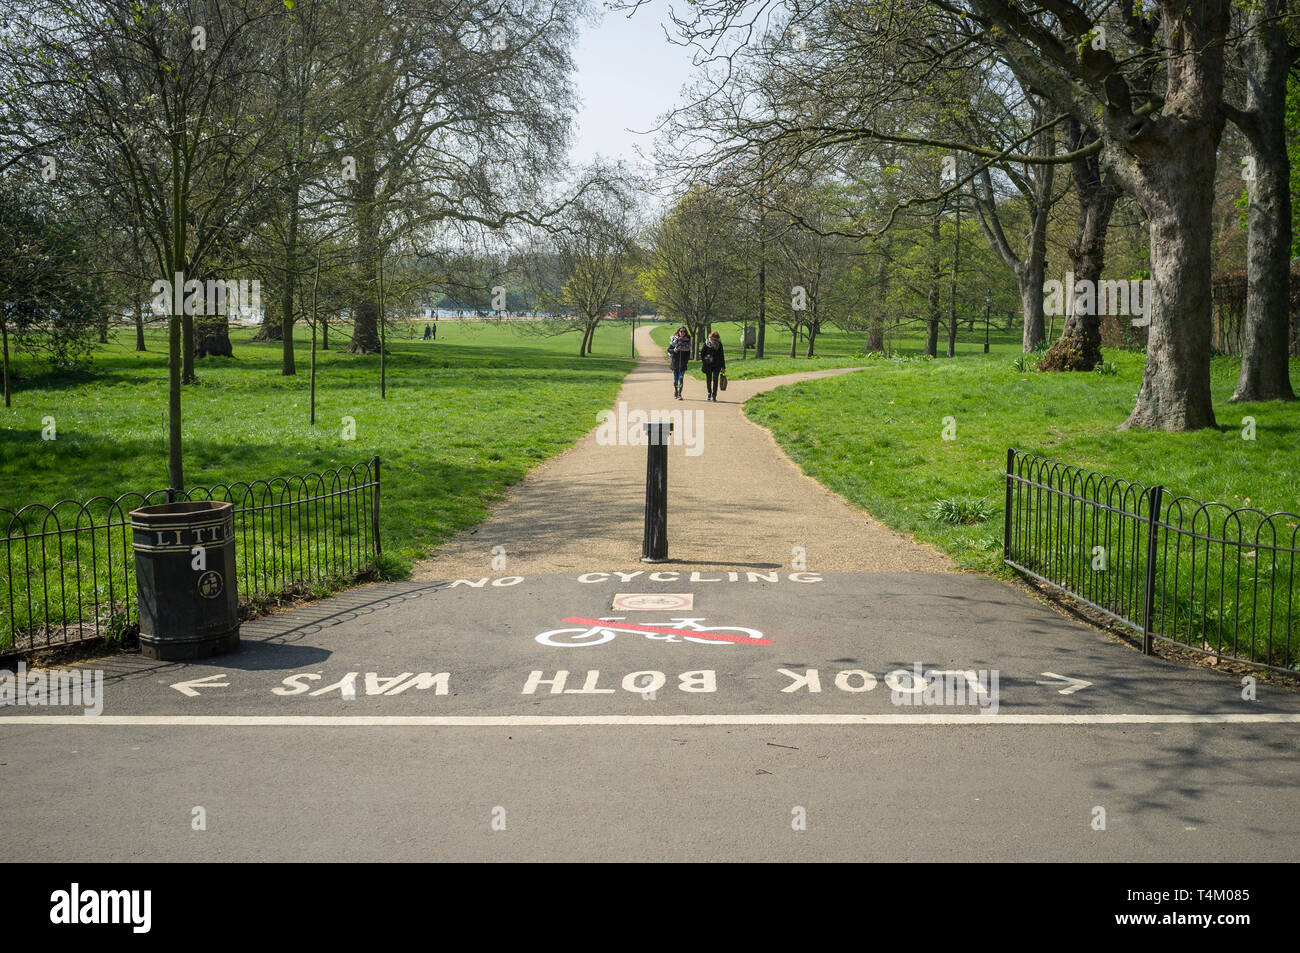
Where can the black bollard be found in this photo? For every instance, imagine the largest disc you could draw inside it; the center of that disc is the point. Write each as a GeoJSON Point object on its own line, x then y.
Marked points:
{"type": "Point", "coordinates": [654, 547]}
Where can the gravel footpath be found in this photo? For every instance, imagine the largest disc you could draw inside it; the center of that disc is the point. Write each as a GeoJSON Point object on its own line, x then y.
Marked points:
{"type": "Point", "coordinates": [736, 501]}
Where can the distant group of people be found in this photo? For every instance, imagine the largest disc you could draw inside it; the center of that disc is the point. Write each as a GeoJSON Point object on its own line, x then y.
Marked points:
{"type": "Point", "coordinates": [712, 361]}
{"type": "Point", "coordinates": [430, 331]}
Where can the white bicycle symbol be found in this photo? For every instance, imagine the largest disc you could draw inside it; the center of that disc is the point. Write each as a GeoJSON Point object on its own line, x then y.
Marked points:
{"type": "Point", "coordinates": [597, 634]}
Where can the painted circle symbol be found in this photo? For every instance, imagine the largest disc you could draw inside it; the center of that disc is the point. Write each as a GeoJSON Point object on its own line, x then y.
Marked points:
{"type": "Point", "coordinates": [662, 601]}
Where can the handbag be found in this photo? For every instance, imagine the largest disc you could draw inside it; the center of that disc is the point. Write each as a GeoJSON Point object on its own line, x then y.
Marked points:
{"type": "Point", "coordinates": [722, 382]}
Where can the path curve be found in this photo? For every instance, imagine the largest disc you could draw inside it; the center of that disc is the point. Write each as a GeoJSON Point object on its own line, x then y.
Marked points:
{"type": "Point", "coordinates": [737, 503]}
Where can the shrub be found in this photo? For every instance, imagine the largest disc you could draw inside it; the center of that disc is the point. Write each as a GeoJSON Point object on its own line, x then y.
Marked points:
{"type": "Point", "coordinates": [961, 511]}
{"type": "Point", "coordinates": [388, 567]}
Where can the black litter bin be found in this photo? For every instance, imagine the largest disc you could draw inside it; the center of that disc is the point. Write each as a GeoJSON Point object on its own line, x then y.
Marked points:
{"type": "Point", "coordinates": [185, 579]}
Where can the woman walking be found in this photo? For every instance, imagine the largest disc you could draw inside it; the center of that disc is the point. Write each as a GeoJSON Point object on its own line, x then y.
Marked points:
{"type": "Point", "coordinates": [679, 353]}
{"type": "Point", "coordinates": [714, 362]}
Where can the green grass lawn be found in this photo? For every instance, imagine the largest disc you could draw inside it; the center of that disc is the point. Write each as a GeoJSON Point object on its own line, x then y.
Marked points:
{"type": "Point", "coordinates": [465, 417]}
{"type": "Point", "coordinates": [876, 438]}
{"type": "Point", "coordinates": [838, 348]}
{"type": "Point", "coordinates": [468, 415]}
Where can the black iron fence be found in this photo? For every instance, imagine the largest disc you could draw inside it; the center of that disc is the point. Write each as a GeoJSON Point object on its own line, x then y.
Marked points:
{"type": "Point", "coordinates": [67, 573]}
{"type": "Point", "coordinates": [1206, 576]}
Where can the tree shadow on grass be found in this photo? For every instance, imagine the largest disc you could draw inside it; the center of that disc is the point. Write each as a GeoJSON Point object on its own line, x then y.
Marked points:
{"type": "Point", "coordinates": [24, 387]}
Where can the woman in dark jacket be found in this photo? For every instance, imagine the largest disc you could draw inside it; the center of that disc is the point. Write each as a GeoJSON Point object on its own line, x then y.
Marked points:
{"type": "Point", "coordinates": [714, 362]}
{"type": "Point", "coordinates": [679, 354]}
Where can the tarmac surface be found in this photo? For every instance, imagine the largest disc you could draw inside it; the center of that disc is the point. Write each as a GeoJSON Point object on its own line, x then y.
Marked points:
{"type": "Point", "coordinates": [736, 501]}
{"type": "Point", "coordinates": [577, 704]}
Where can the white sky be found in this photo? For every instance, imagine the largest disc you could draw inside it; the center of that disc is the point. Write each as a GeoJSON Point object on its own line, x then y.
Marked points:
{"type": "Point", "coordinates": [628, 75]}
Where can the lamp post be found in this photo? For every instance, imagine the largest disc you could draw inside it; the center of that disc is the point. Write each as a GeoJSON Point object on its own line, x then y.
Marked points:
{"type": "Point", "coordinates": [988, 303]}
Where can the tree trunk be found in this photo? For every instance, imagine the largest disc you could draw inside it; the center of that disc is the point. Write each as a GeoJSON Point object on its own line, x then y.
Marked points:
{"type": "Point", "coordinates": [188, 375]}
{"type": "Point", "coordinates": [875, 333]}
{"type": "Point", "coordinates": [287, 367]}
{"type": "Point", "coordinates": [212, 336]}
{"type": "Point", "coordinates": [1265, 364]}
{"type": "Point", "coordinates": [4, 337]}
{"type": "Point", "coordinates": [141, 290]}
{"type": "Point", "coordinates": [876, 323]}
{"type": "Point", "coordinates": [1031, 274]}
{"type": "Point", "coordinates": [187, 350]}
{"type": "Point", "coordinates": [952, 287]}
{"type": "Point", "coordinates": [932, 324]}
{"type": "Point", "coordinates": [1079, 347]}
{"type": "Point", "coordinates": [1036, 262]}
{"type": "Point", "coordinates": [286, 327]}
{"type": "Point", "coordinates": [139, 325]}
{"type": "Point", "coordinates": [932, 296]}
{"type": "Point", "coordinates": [365, 313]}
{"type": "Point", "coordinates": [1175, 392]}
{"type": "Point", "coordinates": [315, 318]}
{"type": "Point", "coordinates": [365, 328]}
{"type": "Point", "coordinates": [271, 329]}
{"type": "Point", "coordinates": [103, 330]}
{"type": "Point", "coordinates": [1031, 307]}
{"type": "Point", "coordinates": [176, 263]}
{"type": "Point", "coordinates": [175, 469]}
{"type": "Point", "coordinates": [1168, 163]}
{"type": "Point", "coordinates": [1030, 270]}
{"type": "Point", "coordinates": [812, 337]}
{"type": "Point", "coordinates": [383, 332]}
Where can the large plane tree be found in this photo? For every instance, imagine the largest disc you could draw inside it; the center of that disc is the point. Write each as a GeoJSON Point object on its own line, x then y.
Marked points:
{"type": "Point", "coordinates": [1147, 78]}
{"type": "Point", "coordinates": [160, 108]}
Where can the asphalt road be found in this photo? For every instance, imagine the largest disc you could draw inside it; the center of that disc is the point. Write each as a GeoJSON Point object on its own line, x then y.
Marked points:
{"type": "Point", "coordinates": [427, 721]}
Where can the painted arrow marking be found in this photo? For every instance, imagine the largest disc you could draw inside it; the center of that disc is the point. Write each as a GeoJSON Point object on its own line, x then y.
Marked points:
{"type": "Point", "coordinates": [191, 688]}
{"type": "Point", "coordinates": [1072, 684]}
{"type": "Point", "coordinates": [693, 633]}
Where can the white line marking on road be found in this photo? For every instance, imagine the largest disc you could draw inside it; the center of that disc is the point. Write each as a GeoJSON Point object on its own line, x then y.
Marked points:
{"type": "Point", "coordinates": [191, 688]}
{"type": "Point", "coordinates": [597, 721]}
{"type": "Point", "coordinates": [1072, 685]}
